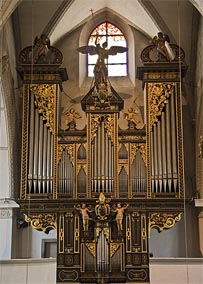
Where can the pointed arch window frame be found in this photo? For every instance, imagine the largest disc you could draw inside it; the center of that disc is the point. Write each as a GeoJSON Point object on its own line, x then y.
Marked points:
{"type": "Point", "coordinates": [117, 65]}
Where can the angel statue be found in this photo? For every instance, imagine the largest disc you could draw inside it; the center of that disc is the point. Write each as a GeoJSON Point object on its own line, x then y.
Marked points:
{"type": "Point", "coordinates": [100, 69]}
{"type": "Point", "coordinates": [71, 116]}
{"type": "Point", "coordinates": [163, 47]}
{"type": "Point", "coordinates": [41, 46]}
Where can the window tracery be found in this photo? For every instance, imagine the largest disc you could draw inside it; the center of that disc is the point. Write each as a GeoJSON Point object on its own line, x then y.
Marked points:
{"type": "Point", "coordinates": [116, 64]}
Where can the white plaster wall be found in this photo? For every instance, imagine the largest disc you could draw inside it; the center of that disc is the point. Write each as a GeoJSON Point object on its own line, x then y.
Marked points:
{"type": "Point", "coordinates": [28, 271]}
{"type": "Point", "coordinates": [4, 154]}
{"type": "Point", "coordinates": [179, 241]}
{"type": "Point", "coordinates": [30, 242]}
{"type": "Point", "coordinates": [176, 271]}
{"type": "Point", "coordinates": [162, 271]}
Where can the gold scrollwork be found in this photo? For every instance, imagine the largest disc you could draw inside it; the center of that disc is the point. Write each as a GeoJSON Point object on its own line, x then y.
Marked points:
{"type": "Point", "coordinates": [45, 96]}
{"type": "Point", "coordinates": [159, 94]}
{"type": "Point", "coordinates": [42, 222]}
{"type": "Point", "coordinates": [70, 150]}
{"type": "Point", "coordinates": [125, 166]}
{"type": "Point", "coordinates": [94, 125]}
{"type": "Point", "coordinates": [113, 248]}
{"type": "Point", "coordinates": [108, 123]}
{"type": "Point", "coordinates": [161, 221]}
{"type": "Point", "coordinates": [138, 147]}
{"type": "Point", "coordinates": [91, 248]}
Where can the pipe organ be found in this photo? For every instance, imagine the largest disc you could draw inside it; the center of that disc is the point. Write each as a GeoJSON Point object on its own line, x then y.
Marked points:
{"type": "Point", "coordinates": [101, 187]}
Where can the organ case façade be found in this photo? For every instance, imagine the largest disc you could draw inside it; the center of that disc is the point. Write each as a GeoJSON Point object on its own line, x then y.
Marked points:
{"type": "Point", "coordinates": [101, 188]}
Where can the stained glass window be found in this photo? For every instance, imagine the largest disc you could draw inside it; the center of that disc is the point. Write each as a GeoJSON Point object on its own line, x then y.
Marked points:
{"type": "Point", "coordinates": [116, 64]}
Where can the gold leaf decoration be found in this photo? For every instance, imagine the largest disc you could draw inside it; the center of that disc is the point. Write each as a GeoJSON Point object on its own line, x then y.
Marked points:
{"type": "Point", "coordinates": [45, 96]}
{"type": "Point", "coordinates": [42, 222]}
{"type": "Point", "coordinates": [162, 221]}
{"type": "Point", "coordinates": [159, 94]}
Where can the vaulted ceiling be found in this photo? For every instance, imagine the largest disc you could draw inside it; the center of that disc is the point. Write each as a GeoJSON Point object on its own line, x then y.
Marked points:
{"type": "Point", "coordinates": [57, 18]}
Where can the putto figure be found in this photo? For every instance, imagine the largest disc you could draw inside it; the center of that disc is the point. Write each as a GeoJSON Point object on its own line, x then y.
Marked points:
{"type": "Point", "coordinates": [71, 115]}
{"type": "Point", "coordinates": [84, 211]}
{"type": "Point", "coordinates": [100, 69]}
{"type": "Point", "coordinates": [119, 216]}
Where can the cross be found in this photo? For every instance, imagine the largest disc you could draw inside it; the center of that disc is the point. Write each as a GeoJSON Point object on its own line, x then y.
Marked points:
{"type": "Point", "coordinates": [91, 10]}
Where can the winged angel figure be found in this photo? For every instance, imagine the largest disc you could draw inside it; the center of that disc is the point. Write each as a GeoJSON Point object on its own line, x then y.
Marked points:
{"type": "Point", "coordinates": [100, 69]}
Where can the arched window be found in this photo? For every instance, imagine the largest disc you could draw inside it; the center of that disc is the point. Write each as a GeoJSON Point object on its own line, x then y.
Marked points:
{"type": "Point", "coordinates": [116, 64]}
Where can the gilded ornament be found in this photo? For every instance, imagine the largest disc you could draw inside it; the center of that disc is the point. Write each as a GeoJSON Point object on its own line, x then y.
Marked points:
{"type": "Point", "coordinates": [138, 147]}
{"type": "Point", "coordinates": [113, 248]}
{"type": "Point", "coordinates": [70, 150]}
{"type": "Point", "coordinates": [162, 221]}
{"type": "Point", "coordinates": [91, 248]}
{"type": "Point", "coordinates": [159, 94]}
{"type": "Point", "coordinates": [109, 125]}
{"type": "Point", "coordinates": [71, 115]}
{"type": "Point", "coordinates": [42, 222]}
{"type": "Point", "coordinates": [45, 100]}
{"type": "Point", "coordinates": [94, 125]}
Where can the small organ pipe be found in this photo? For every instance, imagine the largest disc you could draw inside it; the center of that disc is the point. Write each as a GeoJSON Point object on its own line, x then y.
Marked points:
{"type": "Point", "coordinates": [51, 163]}
{"type": "Point", "coordinates": [152, 160]}
{"type": "Point", "coordinates": [163, 149]}
{"type": "Point", "coordinates": [36, 149]}
{"type": "Point", "coordinates": [48, 160]}
{"type": "Point", "coordinates": [40, 152]}
{"type": "Point", "coordinates": [99, 157]}
{"type": "Point", "coordinates": [92, 166]}
{"type": "Point", "coordinates": [31, 140]}
{"type": "Point", "coordinates": [95, 163]}
{"type": "Point", "coordinates": [155, 159]}
{"type": "Point", "coordinates": [107, 163]}
{"type": "Point", "coordinates": [44, 173]}
{"type": "Point", "coordinates": [168, 143]}
{"type": "Point", "coordinates": [159, 156]}
{"type": "Point", "coordinates": [174, 145]}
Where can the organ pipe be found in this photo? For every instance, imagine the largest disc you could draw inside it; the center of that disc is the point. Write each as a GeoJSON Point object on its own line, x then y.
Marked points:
{"type": "Point", "coordinates": [102, 160]}
{"type": "Point", "coordinates": [159, 157]}
{"type": "Point", "coordinates": [48, 149]}
{"type": "Point", "coordinates": [36, 150]}
{"type": "Point", "coordinates": [40, 151]}
{"type": "Point", "coordinates": [44, 173]}
{"type": "Point", "coordinates": [168, 145]}
{"type": "Point", "coordinates": [163, 150]}
{"type": "Point", "coordinates": [174, 147]}
{"type": "Point", "coordinates": [31, 147]}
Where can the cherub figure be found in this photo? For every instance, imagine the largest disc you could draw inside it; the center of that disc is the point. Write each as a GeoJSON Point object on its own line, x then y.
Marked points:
{"type": "Point", "coordinates": [41, 46]}
{"type": "Point", "coordinates": [132, 115]}
{"type": "Point", "coordinates": [100, 69]}
{"type": "Point", "coordinates": [163, 47]}
{"type": "Point", "coordinates": [85, 216]}
{"type": "Point", "coordinates": [71, 116]}
{"type": "Point", "coordinates": [119, 216]}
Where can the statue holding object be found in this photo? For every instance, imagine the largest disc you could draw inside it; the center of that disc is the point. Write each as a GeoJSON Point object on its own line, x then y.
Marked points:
{"type": "Point", "coordinates": [100, 69]}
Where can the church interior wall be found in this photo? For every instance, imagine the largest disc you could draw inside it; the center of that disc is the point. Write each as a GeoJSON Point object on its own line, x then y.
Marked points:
{"type": "Point", "coordinates": [182, 239]}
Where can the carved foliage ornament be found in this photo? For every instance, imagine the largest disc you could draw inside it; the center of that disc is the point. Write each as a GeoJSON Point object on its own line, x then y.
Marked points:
{"type": "Point", "coordinates": [45, 101]}
{"type": "Point", "coordinates": [108, 124]}
{"type": "Point", "coordinates": [70, 150]}
{"type": "Point", "coordinates": [42, 222]}
{"type": "Point", "coordinates": [159, 94]}
{"type": "Point", "coordinates": [162, 221]}
{"type": "Point", "coordinates": [138, 147]}
{"type": "Point", "coordinates": [91, 248]}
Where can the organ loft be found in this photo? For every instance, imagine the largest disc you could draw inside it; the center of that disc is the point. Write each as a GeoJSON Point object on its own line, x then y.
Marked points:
{"type": "Point", "coordinates": [102, 188]}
